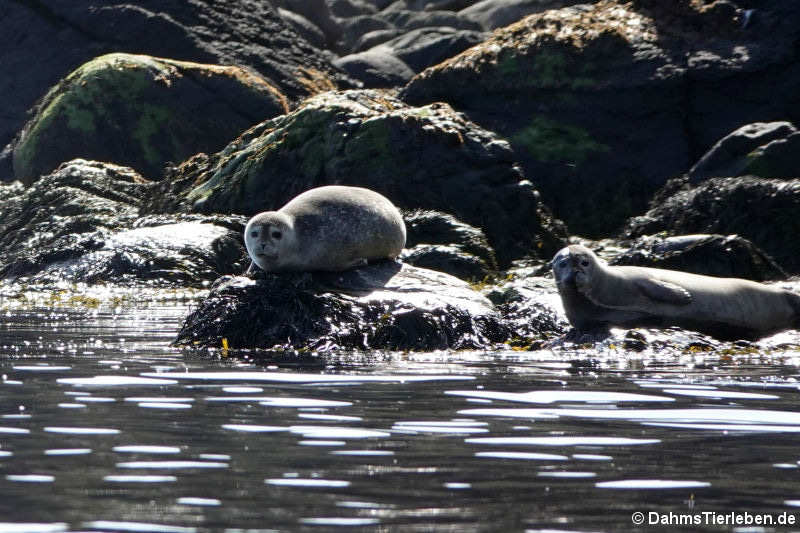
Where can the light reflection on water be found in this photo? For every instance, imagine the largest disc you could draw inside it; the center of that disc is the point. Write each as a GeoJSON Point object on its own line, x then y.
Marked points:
{"type": "Point", "coordinates": [103, 426]}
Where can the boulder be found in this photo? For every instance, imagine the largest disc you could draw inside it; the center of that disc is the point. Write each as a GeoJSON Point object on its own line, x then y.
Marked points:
{"type": "Point", "coordinates": [424, 47]}
{"type": "Point", "coordinates": [304, 28]}
{"type": "Point", "coordinates": [81, 224]}
{"type": "Point", "coordinates": [57, 37]}
{"type": "Point", "coordinates": [356, 27]}
{"type": "Point", "coordinates": [726, 256]}
{"type": "Point", "coordinates": [604, 102]}
{"type": "Point", "coordinates": [384, 306]}
{"type": "Point", "coordinates": [493, 14]}
{"type": "Point", "coordinates": [764, 211]}
{"type": "Point", "coordinates": [766, 149]}
{"type": "Point", "coordinates": [142, 112]}
{"type": "Point", "coordinates": [374, 38]}
{"type": "Point", "coordinates": [376, 68]}
{"type": "Point", "coordinates": [411, 20]}
{"type": "Point", "coordinates": [428, 157]}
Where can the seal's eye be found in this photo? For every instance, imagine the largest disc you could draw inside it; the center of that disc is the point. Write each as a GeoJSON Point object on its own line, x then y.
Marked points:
{"type": "Point", "coordinates": [584, 263]}
{"type": "Point", "coordinates": [254, 234]}
{"type": "Point", "coordinates": [276, 235]}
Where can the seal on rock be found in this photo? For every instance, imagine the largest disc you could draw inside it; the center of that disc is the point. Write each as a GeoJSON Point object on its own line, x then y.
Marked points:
{"type": "Point", "coordinates": [330, 228]}
{"type": "Point", "coordinates": [596, 295]}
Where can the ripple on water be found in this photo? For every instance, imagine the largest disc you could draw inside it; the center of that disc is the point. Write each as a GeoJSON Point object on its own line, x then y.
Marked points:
{"type": "Point", "coordinates": [563, 441]}
{"type": "Point", "coordinates": [116, 381]}
{"type": "Point", "coordinates": [554, 396]}
{"type": "Point", "coordinates": [307, 482]}
{"type": "Point", "coordinates": [143, 527]}
{"type": "Point", "coordinates": [146, 448]}
{"type": "Point", "coordinates": [31, 527]}
{"type": "Point", "coordinates": [300, 377]}
{"type": "Point", "coordinates": [651, 484]}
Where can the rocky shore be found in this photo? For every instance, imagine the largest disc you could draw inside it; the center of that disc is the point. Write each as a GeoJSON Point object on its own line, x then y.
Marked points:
{"type": "Point", "coordinates": [658, 133]}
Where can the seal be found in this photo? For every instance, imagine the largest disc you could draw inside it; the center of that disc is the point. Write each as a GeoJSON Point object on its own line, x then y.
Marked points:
{"type": "Point", "coordinates": [597, 296]}
{"type": "Point", "coordinates": [330, 228]}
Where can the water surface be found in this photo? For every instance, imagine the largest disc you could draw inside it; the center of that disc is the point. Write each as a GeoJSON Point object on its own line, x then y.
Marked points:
{"type": "Point", "coordinates": [104, 426]}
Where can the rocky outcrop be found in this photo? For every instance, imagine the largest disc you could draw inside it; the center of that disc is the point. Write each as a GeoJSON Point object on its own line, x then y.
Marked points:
{"type": "Point", "coordinates": [726, 256]}
{"type": "Point", "coordinates": [765, 149]}
{"type": "Point", "coordinates": [604, 102]}
{"type": "Point", "coordinates": [57, 37]}
{"type": "Point", "coordinates": [427, 157]}
{"type": "Point", "coordinates": [81, 224]}
{"type": "Point", "coordinates": [142, 112]}
{"type": "Point", "coordinates": [386, 306]}
{"type": "Point", "coordinates": [764, 211]}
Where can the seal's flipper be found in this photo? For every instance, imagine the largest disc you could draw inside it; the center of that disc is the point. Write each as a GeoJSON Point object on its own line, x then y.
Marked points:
{"type": "Point", "coordinates": [251, 269]}
{"type": "Point", "coordinates": [663, 291]}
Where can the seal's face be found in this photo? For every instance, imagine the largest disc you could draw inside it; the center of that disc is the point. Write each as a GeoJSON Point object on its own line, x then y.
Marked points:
{"type": "Point", "coordinates": [573, 266]}
{"type": "Point", "coordinates": [268, 238]}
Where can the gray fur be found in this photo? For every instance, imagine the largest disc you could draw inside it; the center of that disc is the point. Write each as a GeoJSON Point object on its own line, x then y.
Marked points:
{"type": "Point", "coordinates": [330, 228]}
{"type": "Point", "coordinates": [597, 295]}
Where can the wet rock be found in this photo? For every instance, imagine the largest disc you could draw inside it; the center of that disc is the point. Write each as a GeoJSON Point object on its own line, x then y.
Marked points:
{"type": "Point", "coordinates": [764, 211]}
{"type": "Point", "coordinates": [727, 256]}
{"type": "Point", "coordinates": [436, 228]}
{"type": "Point", "coordinates": [81, 224]}
{"type": "Point", "coordinates": [423, 47]}
{"type": "Point", "coordinates": [766, 149]}
{"type": "Point", "coordinates": [605, 102]}
{"type": "Point", "coordinates": [385, 306]}
{"type": "Point", "coordinates": [350, 8]}
{"type": "Point", "coordinates": [427, 5]}
{"type": "Point", "coordinates": [492, 14]}
{"type": "Point", "coordinates": [428, 157]}
{"type": "Point", "coordinates": [448, 258]}
{"type": "Point", "coordinates": [354, 28]}
{"type": "Point", "coordinates": [58, 37]}
{"type": "Point", "coordinates": [142, 112]}
{"type": "Point", "coordinates": [376, 68]}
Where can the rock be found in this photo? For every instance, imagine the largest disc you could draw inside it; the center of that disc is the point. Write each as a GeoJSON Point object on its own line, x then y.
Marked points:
{"type": "Point", "coordinates": [374, 38]}
{"type": "Point", "coordinates": [764, 211]}
{"type": "Point", "coordinates": [304, 28]}
{"type": "Point", "coordinates": [142, 112]}
{"type": "Point", "coordinates": [350, 8]}
{"type": "Point", "coordinates": [426, 227]}
{"type": "Point", "coordinates": [411, 20]}
{"type": "Point", "coordinates": [604, 102]}
{"type": "Point", "coordinates": [385, 306]}
{"type": "Point", "coordinates": [766, 149]}
{"type": "Point", "coordinates": [424, 47]}
{"type": "Point", "coordinates": [492, 14]}
{"type": "Point", "coordinates": [354, 28]}
{"type": "Point", "coordinates": [58, 37]}
{"type": "Point", "coordinates": [376, 68]}
{"type": "Point", "coordinates": [426, 5]}
{"type": "Point", "coordinates": [447, 258]}
{"type": "Point", "coordinates": [428, 157]}
{"type": "Point", "coordinates": [727, 256]}
{"type": "Point", "coordinates": [81, 224]}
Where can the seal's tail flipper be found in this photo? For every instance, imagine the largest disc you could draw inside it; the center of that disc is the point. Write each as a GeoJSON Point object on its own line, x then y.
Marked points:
{"type": "Point", "coordinates": [794, 302]}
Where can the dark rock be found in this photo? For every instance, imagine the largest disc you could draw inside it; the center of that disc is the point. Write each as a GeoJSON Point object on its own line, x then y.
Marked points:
{"type": "Point", "coordinates": [724, 256]}
{"type": "Point", "coordinates": [81, 224]}
{"type": "Point", "coordinates": [374, 38]}
{"type": "Point", "coordinates": [142, 112]}
{"type": "Point", "coordinates": [376, 68]}
{"type": "Point", "coordinates": [448, 258]}
{"type": "Point", "coordinates": [428, 157]}
{"type": "Point", "coordinates": [492, 14]}
{"type": "Point", "coordinates": [58, 36]}
{"type": "Point", "coordinates": [424, 47]}
{"type": "Point", "coordinates": [411, 20]}
{"type": "Point", "coordinates": [319, 13]}
{"type": "Point", "coordinates": [605, 102]}
{"type": "Point", "coordinates": [425, 5]}
{"type": "Point", "coordinates": [764, 211]}
{"type": "Point", "coordinates": [304, 28]}
{"type": "Point", "coordinates": [766, 149]}
{"type": "Point", "coordinates": [385, 306]}
{"type": "Point", "coordinates": [354, 28]}
{"type": "Point", "coordinates": [350, 8]}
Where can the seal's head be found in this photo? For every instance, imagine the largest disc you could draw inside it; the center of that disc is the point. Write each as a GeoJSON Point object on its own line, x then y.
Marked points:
{"type": "Point", "coordinates": [269, 238]}
{"type": "Point", "coordinates": [574, 266]}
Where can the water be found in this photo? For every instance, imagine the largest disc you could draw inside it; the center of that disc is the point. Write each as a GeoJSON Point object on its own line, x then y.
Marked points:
{"type": "Point", "coordinates": [104, 427]}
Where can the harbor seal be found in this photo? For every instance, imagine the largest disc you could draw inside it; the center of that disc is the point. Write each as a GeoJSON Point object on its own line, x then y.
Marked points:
{"type": "Point", "coordinates": [596, 295]}
{"type": "Point", "coordinates": [330, 228]}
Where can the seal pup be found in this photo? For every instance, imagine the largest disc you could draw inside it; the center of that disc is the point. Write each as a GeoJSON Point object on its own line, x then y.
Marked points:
{"type": "Point", "coordinates": [330, 228]}
{"type": "Point", "coordinates": [596, 295]}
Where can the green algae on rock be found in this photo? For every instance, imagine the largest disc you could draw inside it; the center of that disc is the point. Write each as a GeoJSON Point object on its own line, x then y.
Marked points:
{"type": "Point", "coordinates": [142, 112]}
{"type": "Point", "coordinates": [426, 157]}
{"type": "Point", "coordinates": [611, 99]}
